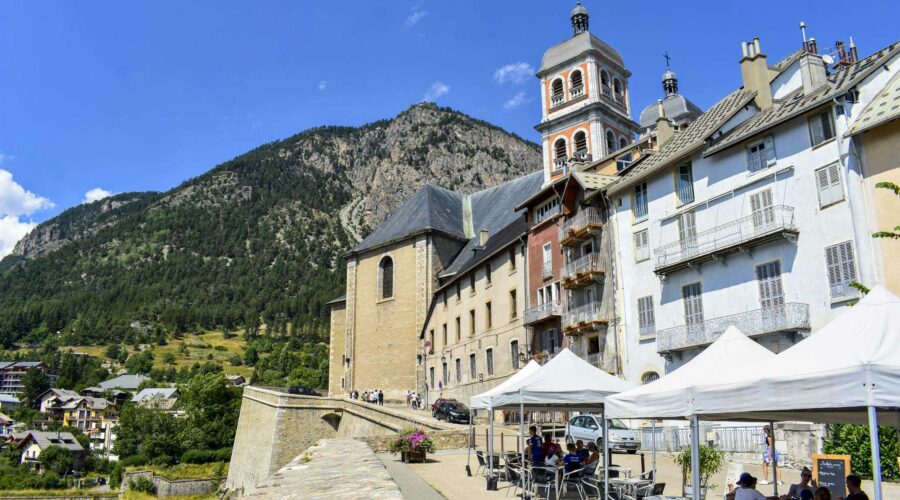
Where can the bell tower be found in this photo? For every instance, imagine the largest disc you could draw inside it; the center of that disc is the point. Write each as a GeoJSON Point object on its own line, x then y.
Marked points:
{"type": "Point", "coordinates": [585, 112]}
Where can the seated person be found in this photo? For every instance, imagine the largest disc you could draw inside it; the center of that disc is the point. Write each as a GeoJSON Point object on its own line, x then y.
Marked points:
{"type": "Point", "coordinates": [551, 449]}
{"type": "Point", "coordinates": [807, 483]}
{"type": "Point", "coordinates": [572, 459]}
{"type": "Point", "coordinates": [535, 448]}
{"type": "Point", "coordinates": [593, 459]}
{"type": "Point", "coordinates": [854, 484]}
{"type": "Point", "coordinates": [581, 450]}
{"type": "Point", "coordinates": [747, 489]}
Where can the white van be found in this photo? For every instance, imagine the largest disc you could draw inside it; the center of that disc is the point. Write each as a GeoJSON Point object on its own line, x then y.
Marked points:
{"type": "Point", "coordinates": [587, 428]}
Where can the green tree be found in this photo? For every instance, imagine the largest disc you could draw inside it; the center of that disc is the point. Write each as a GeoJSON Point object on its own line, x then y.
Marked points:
{"type": "Point", "coordinates": [57, 460]}
{"type": "Point", "coordinates": [211, 409]}
{"type": "Point", "coordinates": [113, 351]}
{"type": "Point", "coordinates": [34, 384]}
{"type": "Point", "coordinates": [149, 432]}
{"type": "Point", "coordinates": [251, 356]}
{"type": "Point", "coordinates": [168, 358]}
{"type": "Point", "coordinates": [853, 440]}
{"type": "Point", "coordinates": [140, 363]}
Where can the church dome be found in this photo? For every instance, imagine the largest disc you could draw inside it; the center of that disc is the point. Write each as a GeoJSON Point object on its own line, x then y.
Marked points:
{"type": "Point", "coordinates": [677, 109]}
{"type": "Point", "coordinates": [669, 75]}
{"type": "Point", "coordinates": [578, 10]}
{"type": "Point", "coordinates": [576, 46]}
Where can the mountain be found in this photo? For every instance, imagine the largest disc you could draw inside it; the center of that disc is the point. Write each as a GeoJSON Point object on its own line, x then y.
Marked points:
{"type": "Point", "coordinates": [257, 239]}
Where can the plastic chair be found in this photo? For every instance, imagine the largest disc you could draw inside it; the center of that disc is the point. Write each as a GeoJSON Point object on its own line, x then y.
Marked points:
{"type": "Point", "coordinates": [481, 462]}
{"type": "Point", "coordinates": [542, 478]}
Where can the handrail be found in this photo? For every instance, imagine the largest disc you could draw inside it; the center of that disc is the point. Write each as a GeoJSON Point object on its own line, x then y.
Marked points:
{"type": "Point", "coordinates": [791, 316]}
{"type": "Point", "coordinates": [590, 263]}
{"type": "Point", "coordinates": [760, 223]}
{"type": "Point", "coordinates": [587, 313]}
{"type": "Point", "coordinates": [545, 310]}
{"type": "Point", "coordinates": [587, 216]}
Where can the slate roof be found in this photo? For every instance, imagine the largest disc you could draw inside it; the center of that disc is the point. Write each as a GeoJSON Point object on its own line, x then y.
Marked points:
{"type": "Point", "coordinates": [64, 394]}
{"type": "Point", "coordinates": [5, 419]}
{"type": "Point", "coordinates": [337, 300]}
{"type": "Point", "coordinates": [6, 398]}
{"type": "Point", "coordinates": [19, 364]}
{"type": "Point", "coordinates": [576, 46]}
{"type": "Point", "coordinates": [494, 245]}
{"type": "Point", "coordinates": [494, 209]}
{"type": "Point", "coordinates": [688, 140]}
{"type": "Point", "coordinates": [129, 382]}
{"type": "Point", "coordinates": [44, 440]}
{"type": "Point", "coordinates": [431, 208]}
{"type": "Point", "coordinates": [677, 108]}
{"type": "Point", "coordinates": [883, 108]}
{"type": "Point", "coordinates": [796, 104]}
{"type": "Point", "coordinates": [94, 403]}
{"type": "Point", "coordinates": [163, 392]}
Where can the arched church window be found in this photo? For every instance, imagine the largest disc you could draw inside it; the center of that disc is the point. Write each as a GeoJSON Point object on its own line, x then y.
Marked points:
{"type": "Point", "coordinates": [618, 87]}
{"type": "Point", "coordinates": [622, 142]}
{"type": "Point", "coordinates": [610, 141]}
{"type": "Point", "coordinates": [604, 77]}
{"type": "Point", "coordinates": [580, 142]}
{"type": "Point", "coordinates": [557, 87]}
{"type": "Point", "coordinates": [577, 80]}
{"type": "Point", "coordinates": [559, 148]}
{"type": "Point", "coordinates": [386, 280]}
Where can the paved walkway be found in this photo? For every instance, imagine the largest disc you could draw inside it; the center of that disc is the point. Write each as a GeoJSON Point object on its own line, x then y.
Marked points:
{"type": "Point", "coordinates": [411, 485]}
{"type": "Point", "coordinates": [334, 469]}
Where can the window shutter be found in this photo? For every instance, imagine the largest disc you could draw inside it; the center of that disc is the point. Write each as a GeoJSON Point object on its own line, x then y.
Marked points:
{"type": "Point", "coordinates": [770, 150]}
{"type": "Point", "coordinates": [848, 267]}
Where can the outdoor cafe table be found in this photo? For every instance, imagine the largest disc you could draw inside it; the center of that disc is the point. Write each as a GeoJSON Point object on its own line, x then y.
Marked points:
{"type": "Point", "coordinates": [629, 485]}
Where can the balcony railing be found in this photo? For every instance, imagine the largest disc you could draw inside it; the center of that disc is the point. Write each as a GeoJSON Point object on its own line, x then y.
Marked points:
{"type": "Point", "coordinates": [586, 219]}
{"type": "Point", "coordinates": [757, 228]}
{"type": "Point", "coordinates": [560, 162]}
{"type": "Point", "coordinates": [583, 268]}
{"type": "Point", "coordinates": [603, 361]}
{"type": "Point", "coordinates": [543, 311]}
{"type": "Point", "coordinates": [556, 100]}
{"type": "Point", "coordinates": [583, 317]}
{"type": "Point", "coordinates": [607, 91]}
{"type": "Point", "coordinates": [547, 270]}
{"type": "Point", "coordinates": [620, 99]}
{"type": "Point", "coordinates": [790, 317]}
{"type": "Point", "coordinates": [576, 91]}
{"type": "Point", "coordinates": [581, 155]}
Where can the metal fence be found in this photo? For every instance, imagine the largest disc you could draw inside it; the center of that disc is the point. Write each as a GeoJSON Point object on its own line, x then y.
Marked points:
{"type": "Point", "coordinates": [741, 439]}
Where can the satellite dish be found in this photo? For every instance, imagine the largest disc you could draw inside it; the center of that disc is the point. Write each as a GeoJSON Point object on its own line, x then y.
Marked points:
{"type": "Point", "coordinates": [827, 59]}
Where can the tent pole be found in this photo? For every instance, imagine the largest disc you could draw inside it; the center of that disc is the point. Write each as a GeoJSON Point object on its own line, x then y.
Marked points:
{"type": "Point", "coordinates": [522, 438]}
{"type": "Point", "coordinates": [695, 457]}
{"type": "Point", "coordinates": [774, 460]}
{"type": "Point", "coordinates": [606, 459]}
{"type": "Point", "coordinates": [469, 442]}
{"type": "Point", "coordinates": [653, 446]}
{"type": "Point", "coordinates": [876, 451]}
{"type": "Point", "coordinates": [491, 444]}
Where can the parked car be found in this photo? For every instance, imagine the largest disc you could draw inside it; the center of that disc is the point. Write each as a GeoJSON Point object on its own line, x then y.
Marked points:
{"type": "Point", "coordinates": [452, 411]}
{"type": "Point", "coordinates": [303, 391]}
{"type": "Point", "coordinates": [587, 428]}
{"type": "Point", "coordinates": [437, 404]}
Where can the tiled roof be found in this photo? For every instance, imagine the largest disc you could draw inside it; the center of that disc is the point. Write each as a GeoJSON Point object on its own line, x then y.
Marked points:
{"type": "Point", "coordinates": [6, 398]}
{"type": "Point", "coordinates": [164, 392]}
{"type": "Point", "coordinates": [130, 382]}
{"type": "Point", "coordinates": [687, 141]}
{"type": "Point", "coordinates": [93, 403]}
{"type": "Point", "coordinates": [64, 394]}
{"type": "Point", "coordinates": [797, 103]}
{"type": "Point", "coordinates": [787, 61]}
{"type": "Point", "coordinates": [590, 181]}
{"type": "Point", "coordinates": [883, 108]}
{"type": "Point", "coordinates": [44, 440]}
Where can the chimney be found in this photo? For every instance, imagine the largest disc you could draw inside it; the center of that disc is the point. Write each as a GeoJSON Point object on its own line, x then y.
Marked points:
{"type": "Point", "coordinates": [664, 131]}
{"type": "Point", "coordinates": [812, 46]}
{"type": "Point", "coordinates": [843, 56]}
{"type": "Point", "coordinates": [755, 73]}
{"type": "Point", "coordinates": [812, 72]}
{"type": "Point", "coordinates": [483, 237]}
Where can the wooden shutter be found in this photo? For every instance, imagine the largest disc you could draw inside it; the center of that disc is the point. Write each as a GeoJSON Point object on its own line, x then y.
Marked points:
{"type": "Point", "coordinates": [771, 293]}
{"type": "Point", "coordinates": [693, 304]}
{"type": "Point", "coordinates": [687, 229]}
{"type": "Point", "coordinates": [828, 182]}
{"type": "Point", "coordinates": [762, 210]}
{"type": "Point", "coordinates": [770, 150]}
{"type": "Point", "coordinates": [841, 268]}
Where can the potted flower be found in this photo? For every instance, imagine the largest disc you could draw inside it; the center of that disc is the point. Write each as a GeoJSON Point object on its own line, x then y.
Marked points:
{"type": "Point", "coordinates": [412, 444]}
{"type": "Point", "coordinates": [710, 463]}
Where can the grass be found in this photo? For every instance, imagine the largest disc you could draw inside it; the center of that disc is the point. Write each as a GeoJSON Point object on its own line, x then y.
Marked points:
{"type": "Point", "coordinates": [135, 495]}
{"type": "Point", "coordinates": [185, 471]}
{"type": "Point", "coordinates": [199, 348]}
{"type": "Point", "coordinates": [52, 493]}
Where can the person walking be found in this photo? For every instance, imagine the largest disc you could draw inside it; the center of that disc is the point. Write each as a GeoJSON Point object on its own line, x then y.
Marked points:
{"type": "Point", "coordinates": [380, 397]}
{"type": "Point", "coordinates": [770, 455]}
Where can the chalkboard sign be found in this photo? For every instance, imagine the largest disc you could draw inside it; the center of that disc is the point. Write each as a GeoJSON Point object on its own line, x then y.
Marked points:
{"type": "Point", "coordinates": [831, 471]}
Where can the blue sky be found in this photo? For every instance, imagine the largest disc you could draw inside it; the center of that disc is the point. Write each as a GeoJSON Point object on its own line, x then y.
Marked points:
{"type": "Point", "coordinates": [131, 96]}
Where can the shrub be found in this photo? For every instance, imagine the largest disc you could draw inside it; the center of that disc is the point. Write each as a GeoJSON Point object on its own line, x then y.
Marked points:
{"type": "Point", "coordinates": [411, 439]}
{"type": "Point", "coordinates": [710, 462]}
{"type": "Point", "coordinates": [853, 440]}
{"type": "Point", "coordinates": [206, 456]}
{"type": "Point", "coordinates": [143, 485]}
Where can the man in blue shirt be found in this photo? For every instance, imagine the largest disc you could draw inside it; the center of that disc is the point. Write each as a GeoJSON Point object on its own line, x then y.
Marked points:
{"type": "Point", "coordinates": [535, 447]}
{"type": "Point", "coordinates": [572, 459]}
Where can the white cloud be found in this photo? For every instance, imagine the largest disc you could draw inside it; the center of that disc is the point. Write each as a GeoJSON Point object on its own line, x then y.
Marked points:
{"type": "Point", "coordinates": [95, 194]}
{"type": "Point", "coordinates": [5, 158]}
{"type": "Point", "coordinates": [515, 101]}
{"type": "Point", "coordinates": [11, 231]}
{"type": "Point", "coordinates": [15, 200]}
{"type": "Point", "coordinates": [517, 73]}
{"type": "Point", "coordinates": [436, 90]}
{"type": "Point", "coordinates": [414, 18]}
{"type": "Point", "coordinates": [322, 85]}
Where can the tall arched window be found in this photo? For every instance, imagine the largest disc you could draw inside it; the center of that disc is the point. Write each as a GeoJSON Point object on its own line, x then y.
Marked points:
{"type": "Point", "coordinates": [604, 77]}
{"type": "Point", "coordinates": [580, 142]}
{"type": "Point", "coordinates": [576, 87]}
{"type": "Point", "coordinates": [618, 87]}
{"type": "Point", "coordinates": [610, 141]}
{"type": "Point", "coordinates": [386, 280]}
{"type": "Point", "coordinates": [622, 142]}
{"type": "Point", "coordinates": [559, 148]}
{"type": "Point", "coordinates": [557, 87]}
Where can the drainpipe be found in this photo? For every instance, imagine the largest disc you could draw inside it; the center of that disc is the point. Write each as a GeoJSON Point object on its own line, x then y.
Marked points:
{"type": "Point", "coordinates": [612, 264]}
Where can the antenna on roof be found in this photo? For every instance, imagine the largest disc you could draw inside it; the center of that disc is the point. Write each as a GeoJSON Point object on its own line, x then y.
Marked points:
{"type": "Point", "coordinates": [803, 30]}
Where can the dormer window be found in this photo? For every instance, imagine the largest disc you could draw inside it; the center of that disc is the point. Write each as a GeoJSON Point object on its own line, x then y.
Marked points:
{"type": "Point", "coordinates": [556, 88]}
{"type": "Point", "coordinates": [560, 155]}
{"type": "Point", "coordinates": [576, 88]}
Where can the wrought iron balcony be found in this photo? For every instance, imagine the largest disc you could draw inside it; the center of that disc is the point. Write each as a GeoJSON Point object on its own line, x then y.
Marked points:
{"type": "Point", "coordinates": [543, 311]}
{"type": "Point", "coordinates": [580, 226]}
{"type": "Point", "coordinates": [583, 270]}
{"type": "Point", "coordinates": [576, 91]}
{"type": "Point", "coordinates": [785, 318]}
{"type": "Point", "coordinates": [605, 362]}
{"type": "Point", "coordinates": [557, 99]}
{"type": "Point", "coordinates": [757, 228]}
{"type": "Point", "coordinates": [583, 318]}
{"type": "Point", "coordinates": [546, 270]}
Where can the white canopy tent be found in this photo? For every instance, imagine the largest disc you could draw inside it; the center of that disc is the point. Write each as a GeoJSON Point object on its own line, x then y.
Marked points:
{"type": "Point", "coordinates": [845, 372]}
{"type": "Point", "coordinates": [483, 401]}
{"type": "Point", "coordinates": [731, 357]}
